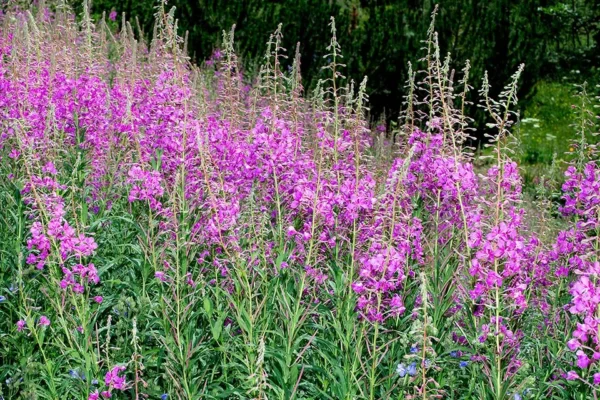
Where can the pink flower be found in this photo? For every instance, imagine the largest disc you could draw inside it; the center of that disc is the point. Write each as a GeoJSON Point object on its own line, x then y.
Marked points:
{"type": "Point", "coordinates": [98, 299]}
{"type": "Point", "coordinates": [49, 168]}
{"type": "Point", "coordinates": [94, 396]}
{"type": "Point", "coordinates": [113, 15]}
{"type": "Point", "coordinates": [358, 287]}
{"type": "Point", "coordinates": [597, 378]}
{"type": "Point", "coordinates": [78, 288]}
{"type": "Point", "coordinates": [573, 344]}
{"type": "Point", "coordinates": [583, 361]}
{"type": "Point", "coordinates": [146, 186]}
{"type": "Point", "coordinates": [92, 274]}
{"type": "Point", "coordinates": [44, 321]}
{"type": "Point", "coordinates": [571, 376]}
{"type": "Point", "coordinates": [20, 325]}
{"type": "Point", "coordinates": [112, 378]}
{"type": "Point", "coordinates": [14, 154]}
{"type": "Point", "coordinates": [291, 231]}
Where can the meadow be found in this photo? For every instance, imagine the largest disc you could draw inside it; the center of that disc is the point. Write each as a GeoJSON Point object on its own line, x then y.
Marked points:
{"type": "Point", "coordinates": [172, 230]}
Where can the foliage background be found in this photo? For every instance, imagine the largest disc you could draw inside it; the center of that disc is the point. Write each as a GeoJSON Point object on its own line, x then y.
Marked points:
{"type": "Point", "coordinates": [379, 38]}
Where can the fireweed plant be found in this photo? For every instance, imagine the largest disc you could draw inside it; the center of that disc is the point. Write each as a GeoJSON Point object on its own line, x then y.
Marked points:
{"type": "Point", "coordinates": [180, 231]}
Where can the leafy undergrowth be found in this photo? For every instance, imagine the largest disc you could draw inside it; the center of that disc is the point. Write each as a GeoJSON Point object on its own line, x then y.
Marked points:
{"type": "Point", "coordinates": [176, 232]}
{"type": "Point", "coordinates": [546, 130]}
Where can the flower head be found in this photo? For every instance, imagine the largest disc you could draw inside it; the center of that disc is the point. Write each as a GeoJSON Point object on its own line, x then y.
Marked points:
{"type": "Point", "coordinates": [583, 361]}
{"type": "Point", "coordinates": [20, 325]}
{"type": "Point", "coordinates": [401, 370]}
{"type": "Point", "coordinates": [76, 375]}
{"type": "Point", "coordinates": [412, 369]}
{"type": "Point", "coordinates": [571, 376]}
{"type": "Point", "coordinates": [112, 378]}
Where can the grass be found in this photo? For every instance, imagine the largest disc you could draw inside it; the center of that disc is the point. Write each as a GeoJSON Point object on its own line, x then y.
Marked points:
{"type": "Point", "coordinates": [547, 130]}
{"type": "Point", "coordinates": [546, 126]}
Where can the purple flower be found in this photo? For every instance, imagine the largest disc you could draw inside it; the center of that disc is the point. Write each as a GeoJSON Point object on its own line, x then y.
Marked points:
{"type": "Point", "coordinates": [76, 375]}
{"type": "Point", "coordinates": [20, 325]}
{"type": "Point", "coordinates": [571, 376]}
{"type": "Point", "coordinates": [412, 369]}
{"type": "Point", "coordinates": [573, 344]}
{"type": "Point", "coordinates": [160, 275]}
{"type": "Point", "coordinates": [44, 321]}
{"type": "Point", "coordinates": [583, 361]}
{"type": "Point", "coordinates": [146, 186]}
{"type": "Point", "coordinates": [114, 380]}
{"type": "Point", "coordinates": [401, 370]}
{"type": "Point", "coordinates": [49, 168]}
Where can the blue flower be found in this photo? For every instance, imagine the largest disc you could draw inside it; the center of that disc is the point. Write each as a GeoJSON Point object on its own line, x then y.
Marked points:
{"type": "Point", "coordinates": [76, 375]}
{"type": "Point", "coordinates": [463, 364]}
{"type": "Point", "coordinates": [427, 363]}
{"type": "Point", "coordinates": [164, 396]}
{"type": "Point", "coordinates": [412, 369]}
{"type": "Point", "coordinates": [517, 396]}
{"type": "Point", "coordinates": [94, 382]}
{"type": "Point", "coordinates": [401, 370]}
{"type": "Point", "coordinates": [454, 354]}
{"type": "Point", "coordinates": [414, 349]}
{"type": "Point", "coordinates": [2, 299]}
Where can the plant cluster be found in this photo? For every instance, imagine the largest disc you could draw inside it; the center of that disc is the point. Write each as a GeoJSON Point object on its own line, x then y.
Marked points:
{"type": "Point", "coordinates": [177, 231]}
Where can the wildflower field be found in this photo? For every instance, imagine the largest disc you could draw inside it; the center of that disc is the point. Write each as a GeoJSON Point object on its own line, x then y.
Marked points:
{"type": "Point", "coordinates": [179, 231]}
